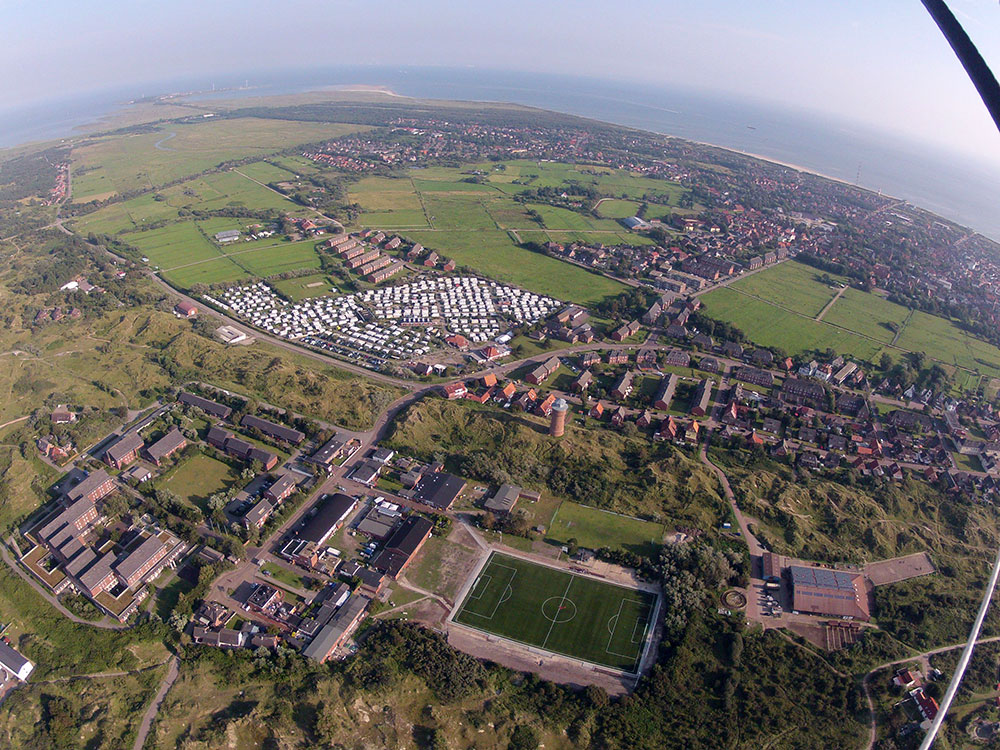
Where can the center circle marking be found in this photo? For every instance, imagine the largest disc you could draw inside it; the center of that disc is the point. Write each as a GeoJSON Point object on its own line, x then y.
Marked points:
{"type": "Point", "coordinates": [558, 609]}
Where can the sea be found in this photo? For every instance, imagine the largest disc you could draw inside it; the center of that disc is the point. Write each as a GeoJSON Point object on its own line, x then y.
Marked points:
{"type": "Point", "coordinates": [953, 185]}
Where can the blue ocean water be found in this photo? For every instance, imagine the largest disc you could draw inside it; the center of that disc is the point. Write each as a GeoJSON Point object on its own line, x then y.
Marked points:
{"type": "Point", "coordinates": [952, 185]}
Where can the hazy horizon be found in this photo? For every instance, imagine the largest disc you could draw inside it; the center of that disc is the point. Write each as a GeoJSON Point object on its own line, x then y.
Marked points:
{"type": "Point", "coordinates": [886, 67]}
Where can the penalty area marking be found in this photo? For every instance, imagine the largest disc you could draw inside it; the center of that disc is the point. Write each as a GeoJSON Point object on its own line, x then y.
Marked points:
{"type": "Point", "coordinates": [506, 594]}
{"type": "Point", "coordinates": [617, 617]}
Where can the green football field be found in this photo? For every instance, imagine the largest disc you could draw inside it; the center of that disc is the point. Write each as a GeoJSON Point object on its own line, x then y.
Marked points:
{"type": "Point", "coordinates": [558, 611]}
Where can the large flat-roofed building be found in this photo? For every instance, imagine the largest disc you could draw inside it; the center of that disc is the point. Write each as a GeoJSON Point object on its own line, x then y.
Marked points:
{"type": "Point", "coordinates": [823, 591]}
{"type": "Point", "coordinates": [124, 450]}
{"type": "Point", "coordinates": [273, 429]}
{"type": "Point", "coordinates": [438, 490]}
{"type": "Point", "coordinates": [338, 629]}
{"type": "Point", "coordinates": [330, 513]}
{"type": "Point", "coordinates": [209, 407]}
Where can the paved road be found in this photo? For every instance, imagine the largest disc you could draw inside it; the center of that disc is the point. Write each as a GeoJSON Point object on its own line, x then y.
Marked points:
{"type": "Point", "coordinates": [147, 718]}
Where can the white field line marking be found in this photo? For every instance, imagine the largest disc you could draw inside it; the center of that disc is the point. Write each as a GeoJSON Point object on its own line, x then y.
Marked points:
{"type": "Point", "coordinates": [635, 624]}
{"type": "Point", "coordinates": [485, 580]}
{"type": "Point", "coordinates": [568, 585]}
{"type": "Point", "coordinates": [500, 600]}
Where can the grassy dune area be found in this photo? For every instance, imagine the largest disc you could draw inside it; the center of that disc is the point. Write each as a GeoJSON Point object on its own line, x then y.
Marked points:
{"type": "Point", "coordinates": [591, 467]}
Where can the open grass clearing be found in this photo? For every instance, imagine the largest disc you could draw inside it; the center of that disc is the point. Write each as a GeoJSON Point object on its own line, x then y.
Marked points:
{"type": "Point", "coordinates": [495, 254]}
{"type": "Point", "coordinates": [792, 285]}
{"type": "Point", "coordinates": [197, 478]}
{"type": "Point", "coordinates": [594, 528]}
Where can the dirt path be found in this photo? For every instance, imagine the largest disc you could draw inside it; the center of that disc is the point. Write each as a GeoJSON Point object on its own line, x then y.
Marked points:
{"type": "Point", "coordinates": [751, 540]}
{"type": "Point", "coordinates": [14, 421]}
{"type": "Point", "coordinates": [829, 304]}
{"type": "Point", "coordinates": [147, 718]}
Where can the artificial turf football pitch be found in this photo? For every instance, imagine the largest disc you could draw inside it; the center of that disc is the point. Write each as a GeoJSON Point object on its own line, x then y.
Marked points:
{"type": "Point", "coordinates": [558, 611]}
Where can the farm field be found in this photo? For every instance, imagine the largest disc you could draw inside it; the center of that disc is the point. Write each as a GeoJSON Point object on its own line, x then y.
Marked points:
{"type": "Point", "coordinates": [208, 272]}
{"type": "Point", "coordinates": [106, 166]}
{"type": "Point", "coordinates": [278, 258]}
{"type": "Point", "coordinates": [594, 528]}
{"type": "Point", "coordinates": [558, 611]}
{"type": "Point", "coordinates": [790, 284]}
{"type": "Point", "coordinates": [942, 339]}
{"type": "Point", "coordinates": [867, 314]}
{"type": "Point", "coordinates": [768, 325]}
{"type": "Point", "coordinates": [224, 190]}
{"type": "Point", "coordinates": [615, 208]}
{"type": "Point", "coordinates": [795, 286]}
{"type": "Point", "coordinates": [494, 253]}
{"type": "Point", "coordinates": [174, 245]}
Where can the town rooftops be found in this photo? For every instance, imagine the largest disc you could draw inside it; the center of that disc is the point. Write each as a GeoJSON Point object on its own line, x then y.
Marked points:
{"type": "Point", "coordinates": [259, 513]}
{"type": "Point", "coordinates": [402, 545]}
{"type": "Point", "coordinates": [329, 451]}
{"type": "Point", "coordinates": [98, 571]}
{"type": "Point", "coordinates": [504, 500]}
{"type": "Point", "coordinates": [273, 429]}
{"type": "Point", "coordinates": [67, 517]}
{"type": "Point", "coordinates": [128, 443]}
{"type": "Point", "coordinates": [438, 490]}
{"type": "Point", "coordinates": [209, 407]}
{"type": "Point", "coordinates": [334, 631]}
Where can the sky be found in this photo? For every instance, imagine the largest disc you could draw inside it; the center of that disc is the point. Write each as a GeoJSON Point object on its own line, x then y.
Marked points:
{"type": "Point", "coordinates": [882, 63]}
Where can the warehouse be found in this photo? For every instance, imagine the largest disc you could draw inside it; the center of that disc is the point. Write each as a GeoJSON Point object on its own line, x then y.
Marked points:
{"type": "Point", "coordinates": [836, 593]}
{"type": "Point", "coordinates": [328, 515]}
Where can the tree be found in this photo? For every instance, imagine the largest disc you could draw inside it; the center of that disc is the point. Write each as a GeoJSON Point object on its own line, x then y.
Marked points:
{"type": "Point", "coordinates": [523, 737]}
{"type": "Point", "coordinates": [572, 546]}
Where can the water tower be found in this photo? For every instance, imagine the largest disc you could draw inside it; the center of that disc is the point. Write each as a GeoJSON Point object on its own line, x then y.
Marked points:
{"type": "Point", "coordinates": [557, 425]}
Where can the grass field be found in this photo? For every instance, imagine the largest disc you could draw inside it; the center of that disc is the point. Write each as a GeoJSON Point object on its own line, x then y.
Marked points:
{"type": "Point", "coordinates": [768, 325]}
{"type": "Point", "coordinates": [787, 297]}
{"type": "Point", "coordinates": [174, 245]}
{"type": "Point", "coordinates": [558, 611]}
{"type": "Point", "coordinates": [595, 528]}
{"type": "Point", "coordinates": [304, 287]}
{"type": "Point", "coordinates": [792, 285]}
{"type": "Point", "coordinates": [615, 208]}
{"type": "Point", "coordinates": [495, 254]}
{"type": "Point", "coordinates": [197, 478]}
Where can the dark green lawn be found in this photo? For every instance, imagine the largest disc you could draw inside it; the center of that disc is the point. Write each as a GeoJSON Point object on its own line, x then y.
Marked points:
{"type": "Point", "coordinates": [560, 612]}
